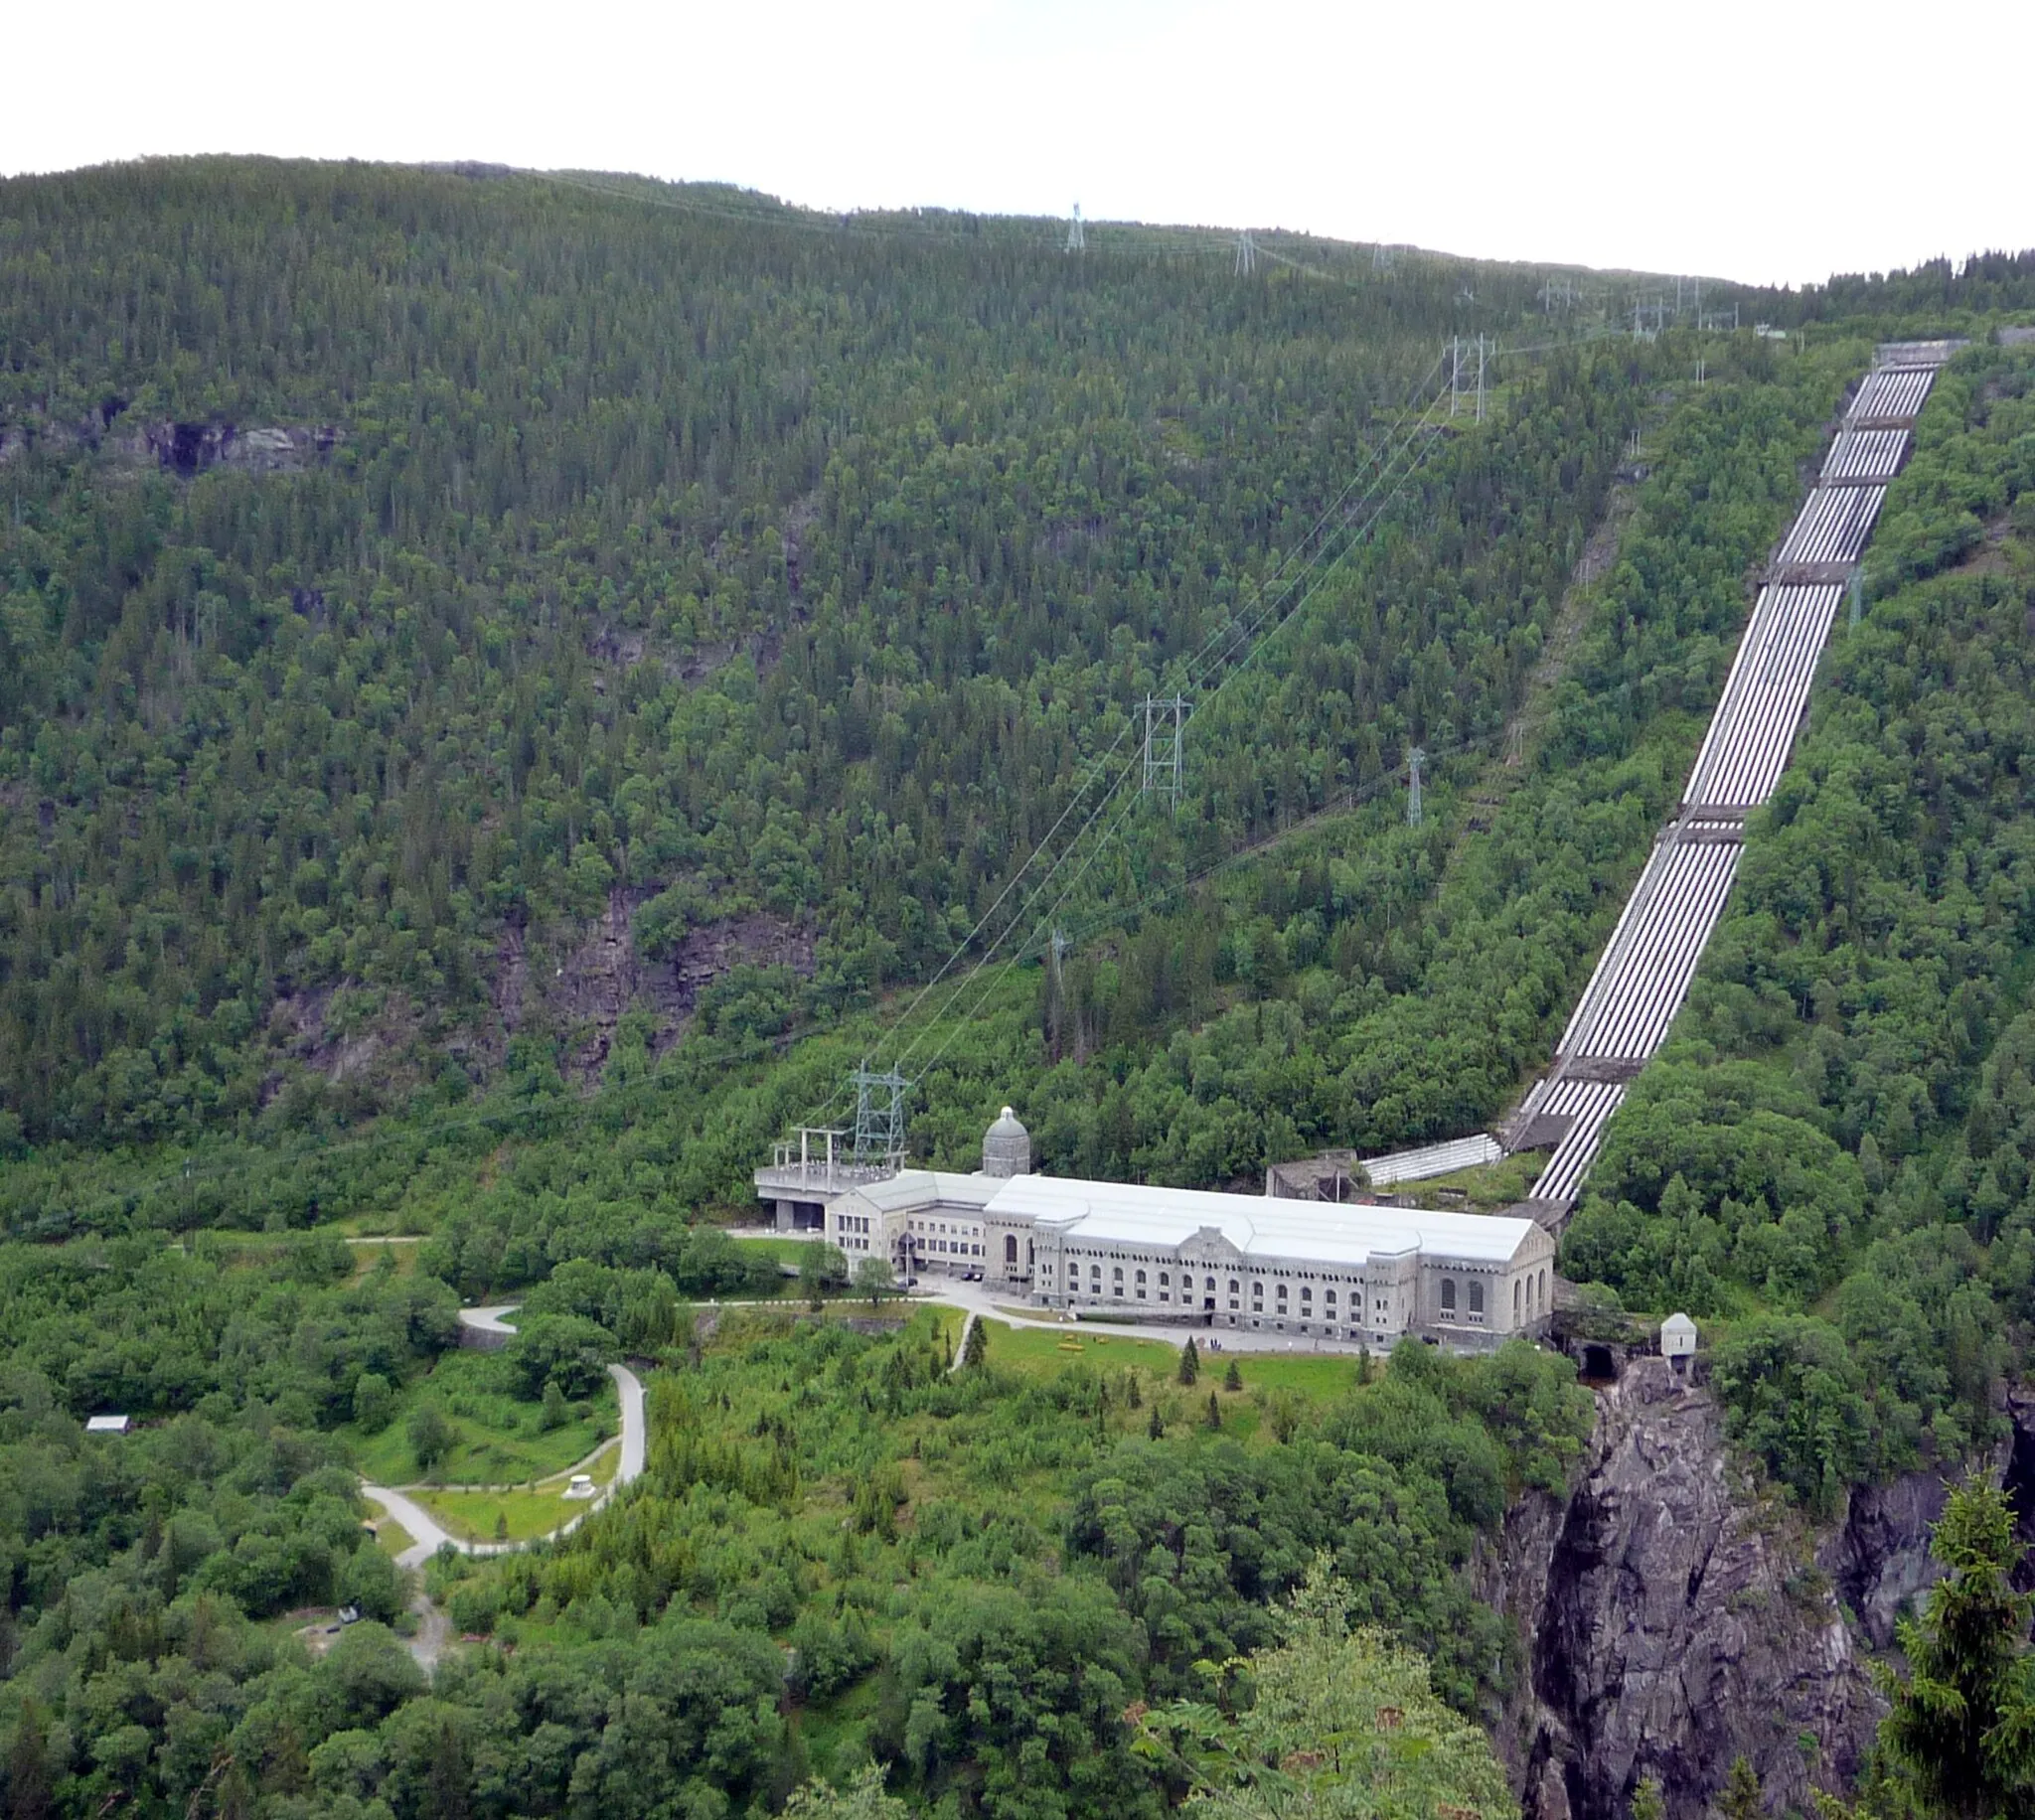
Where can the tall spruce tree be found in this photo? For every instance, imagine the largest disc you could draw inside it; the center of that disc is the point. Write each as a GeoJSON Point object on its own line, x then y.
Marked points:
{"type": "Point", "coordinates": [1962, 1731]}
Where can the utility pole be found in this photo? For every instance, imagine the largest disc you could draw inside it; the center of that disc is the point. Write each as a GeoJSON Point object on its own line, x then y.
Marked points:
{"type": "Point", "coordinates": [1076, 240]}
{"type": "Point", "coordinates": [1246, 256]}
{"type": "Point", "coordinates": [1165, 719]}
{"type": "Point", "coordinates": [1415, 758]}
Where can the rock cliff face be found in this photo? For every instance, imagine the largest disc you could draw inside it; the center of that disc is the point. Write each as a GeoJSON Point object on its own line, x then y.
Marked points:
{"type": "Point", "coordinates": [1672, 1620]}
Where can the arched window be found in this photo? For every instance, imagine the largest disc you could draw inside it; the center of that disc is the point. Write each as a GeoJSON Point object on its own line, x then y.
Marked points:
{"type": "Point", "coordinates": [1208, 1283]}
{"type": "Point", "coordinates": [1009, 1248]}
{"type": "Point", "coordinates": [1447, 1294]}
{"type": "Point", "coordinates": [1516, 1299]}
{"type": "Point", "coordinates": [1477, 1298]}
{"type": "Point", "coordinates": [1543, 1289]}
{"type": "Point", "coordinates": [1141, 1276]}
{"type": "Point", "coordinates": [1027, 1250]}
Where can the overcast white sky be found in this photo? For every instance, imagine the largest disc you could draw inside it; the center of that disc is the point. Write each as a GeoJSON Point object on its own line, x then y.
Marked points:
{"type": "Point", "coordinates": [1773, 140]}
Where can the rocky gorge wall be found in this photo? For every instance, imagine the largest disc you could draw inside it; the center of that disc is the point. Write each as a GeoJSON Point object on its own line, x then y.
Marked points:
{"type": "Point", "coordinates": [1673, 1617]}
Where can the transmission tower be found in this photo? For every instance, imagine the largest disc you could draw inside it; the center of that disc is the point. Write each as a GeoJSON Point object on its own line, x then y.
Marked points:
{"type": "Point", "coordinates": [1165, 719]}
{"type": "Point", "coordinates": [1415, 758]}
{"type": "Point", "coordinates": [1246, 256]}
{"type": "Point", "coordinates": [1465, 375]}
{"type": "Point", "coordinates": [1076, 241]}
{"type": "Point", "coordinates": [1383, 258]}
{"type": "Point", "coordinates": [878, 1117]}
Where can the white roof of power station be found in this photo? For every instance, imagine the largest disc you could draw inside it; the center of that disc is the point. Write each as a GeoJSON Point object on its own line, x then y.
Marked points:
{"type": "Point", "coordinates": [1126, 1213]}
{"type": "Point", "coordinates": [910, 1189]}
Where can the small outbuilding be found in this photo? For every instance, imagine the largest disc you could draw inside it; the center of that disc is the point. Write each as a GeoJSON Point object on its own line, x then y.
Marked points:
{"type": "Point", "coordinates": [107, 1425]}
{"type": "Point", "coordinates": [1678, 1341]}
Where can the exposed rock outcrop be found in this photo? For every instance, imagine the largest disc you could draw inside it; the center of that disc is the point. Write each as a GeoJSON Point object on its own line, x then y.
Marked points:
{"type": "Point", "coordinates": [1673, 1621]}
{"type": "Point", "coordinates": [180, 448]}
{"type": "Point", "coordinates": [190, 448]}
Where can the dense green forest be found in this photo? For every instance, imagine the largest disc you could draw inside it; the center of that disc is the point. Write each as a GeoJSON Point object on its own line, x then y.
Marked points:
{"type": "Point", "coordinates": [753, 593]}
{"type": "Point", "coordinates": [841, 1549]}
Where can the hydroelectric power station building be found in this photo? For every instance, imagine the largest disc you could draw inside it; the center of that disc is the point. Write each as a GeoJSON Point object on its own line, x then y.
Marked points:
{"type": "Point", "coordinates": [1309, 1269]}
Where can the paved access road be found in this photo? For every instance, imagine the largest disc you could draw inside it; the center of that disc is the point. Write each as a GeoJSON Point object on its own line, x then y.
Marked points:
{"type": "Point", "coordinates": [427, 1535]}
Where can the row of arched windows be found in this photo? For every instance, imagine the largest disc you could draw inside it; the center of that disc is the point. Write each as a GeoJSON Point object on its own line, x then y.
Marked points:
{"type": "Point", "coordinates": [1449, 1296]}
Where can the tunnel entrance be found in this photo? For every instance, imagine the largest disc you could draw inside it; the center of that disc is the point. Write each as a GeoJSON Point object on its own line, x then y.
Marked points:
{"type": "Point", "coordinates": [1600, 1365]}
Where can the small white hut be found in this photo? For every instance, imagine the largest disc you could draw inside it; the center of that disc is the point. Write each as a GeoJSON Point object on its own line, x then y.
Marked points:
{"type": "Point", "coordinates": [1678, 1341]}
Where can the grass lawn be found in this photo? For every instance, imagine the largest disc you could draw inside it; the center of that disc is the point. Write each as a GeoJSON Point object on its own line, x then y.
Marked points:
{"type": "Point", "coordinates": [368, 1254]}
{"type": "Point", "coordinates": [785, 1251]}
{"type": "Point", "coordinates": [498, 1440]}
{"type": "Point", "coordinates": [1044, 1352]}
{"type": "Point", "coordinates": [482, 1516]}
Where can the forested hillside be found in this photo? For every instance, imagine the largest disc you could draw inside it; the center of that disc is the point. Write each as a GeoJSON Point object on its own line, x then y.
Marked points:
{"type": "Point", "coordinates": [444, 609]}
{"type": "Point", "coordinates": [1838, 1147]}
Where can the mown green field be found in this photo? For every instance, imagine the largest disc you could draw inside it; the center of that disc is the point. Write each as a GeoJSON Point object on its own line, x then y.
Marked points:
{"type": "Point", "coordinates": [500, 1516]}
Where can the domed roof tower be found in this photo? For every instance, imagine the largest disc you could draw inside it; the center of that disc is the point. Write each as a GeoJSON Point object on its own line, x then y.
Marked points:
{"type": "Point", "coordinates": [1006, 1147]}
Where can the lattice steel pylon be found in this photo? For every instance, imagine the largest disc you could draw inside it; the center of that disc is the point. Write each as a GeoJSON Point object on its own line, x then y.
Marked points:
{"type": "Point", "coordinates": [1246, 256]}
{"type": "Point", "coordinates": [1166, 721]}
{"type": "Point", "coordinates": [1415, 758]}
{"type": "Point", "coordinates": [1465, 373]}
{"type": "Point", "coordinates": [879, 1115]}
{"type": "Point", "coordinates": [1077, 241]}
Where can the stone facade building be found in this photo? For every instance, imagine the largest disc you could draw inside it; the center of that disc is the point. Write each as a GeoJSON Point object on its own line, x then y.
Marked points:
{"type": "Point", "coordinates": [1230, 1261]}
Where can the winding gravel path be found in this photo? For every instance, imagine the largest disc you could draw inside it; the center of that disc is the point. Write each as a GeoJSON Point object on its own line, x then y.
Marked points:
{"type": "Point", "coordinates": [427, 1534]}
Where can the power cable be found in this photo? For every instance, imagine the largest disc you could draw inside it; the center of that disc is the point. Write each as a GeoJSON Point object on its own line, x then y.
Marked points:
{"type": "Point", "coordinates": [1379, 469]}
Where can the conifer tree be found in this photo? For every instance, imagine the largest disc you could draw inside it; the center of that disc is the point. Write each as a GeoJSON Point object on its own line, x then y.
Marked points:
{"type": "Point", "coordinates": [1742, 1798]}
{"type": "Point", "coordinates": [1191, 1363]}
{"type": "Point", "coordinates": [1962, 1730]}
